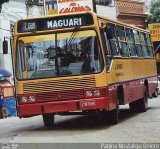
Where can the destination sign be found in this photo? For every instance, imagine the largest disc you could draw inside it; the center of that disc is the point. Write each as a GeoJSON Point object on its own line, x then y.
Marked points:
{"type": "Point", "coordinates": [57, 22]}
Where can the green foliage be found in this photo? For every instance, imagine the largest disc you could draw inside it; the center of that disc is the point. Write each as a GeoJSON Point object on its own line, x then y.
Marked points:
{"type": "Point", "coordinates": [1, 2]}
{"type": "Point", "coordinates": [154, 16]}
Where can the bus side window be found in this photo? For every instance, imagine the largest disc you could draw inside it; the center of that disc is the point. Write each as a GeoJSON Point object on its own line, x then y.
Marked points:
{"type": "Point", "coordinates": [130, 37]}
{"type": "Point", "coordinates": [149, 44]}
{"type": "Point", "coordinates": [146, 52]}
{"type": "Point", "coordinates": [122, 41]}
{"type": "Point", "coordinates": [112, 38]}
{"type": "Point", "coordinates": [137, 43]}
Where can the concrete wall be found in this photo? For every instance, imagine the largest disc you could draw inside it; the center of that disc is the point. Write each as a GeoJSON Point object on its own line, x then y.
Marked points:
{"type": "Point", "coordinates": [106, 11]}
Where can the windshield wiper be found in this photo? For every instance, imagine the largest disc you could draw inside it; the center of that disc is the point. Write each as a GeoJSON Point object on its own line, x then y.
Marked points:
{"type": "Point", "coordinates": [72, 36]}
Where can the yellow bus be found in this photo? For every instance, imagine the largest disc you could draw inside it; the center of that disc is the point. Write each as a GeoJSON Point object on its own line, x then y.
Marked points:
{"type": "Point", "coordinates": [81, 63]}
{"type": "Point", "coordinates": [155, 38]}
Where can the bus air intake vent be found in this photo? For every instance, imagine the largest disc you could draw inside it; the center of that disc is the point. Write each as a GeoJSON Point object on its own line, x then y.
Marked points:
{"type": "Point", "coordinates": [59, 85]}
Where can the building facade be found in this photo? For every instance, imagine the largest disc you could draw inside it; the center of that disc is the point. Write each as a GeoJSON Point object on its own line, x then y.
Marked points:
{"type": "Point", "coordinates": [11, 12]}
{"type": "Point", "coordinates": [131, 12]}
{"type": "Point", "coordinates": [128, 11]}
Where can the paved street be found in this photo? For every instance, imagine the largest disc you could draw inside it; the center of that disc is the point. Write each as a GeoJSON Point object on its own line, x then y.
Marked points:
{"type": "Point", "coordinates": [139, 127]}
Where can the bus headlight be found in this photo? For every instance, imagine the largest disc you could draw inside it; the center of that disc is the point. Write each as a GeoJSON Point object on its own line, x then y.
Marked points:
{"type": "Point", "coordinates": [31, 99]}
{"type": "Point", "coordinates": [97, 93]}
{"type": "Point", "coordinates": [89, 93]}
{"type": "Point", "coordinates": [24, 99]}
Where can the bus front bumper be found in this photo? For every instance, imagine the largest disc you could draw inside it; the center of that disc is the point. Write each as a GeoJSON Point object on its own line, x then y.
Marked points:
{"type": "Point", "coordinates": [27, 110]}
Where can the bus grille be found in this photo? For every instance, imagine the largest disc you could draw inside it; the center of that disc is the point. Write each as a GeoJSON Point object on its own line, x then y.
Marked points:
{"type": "Point", "coordinates": [59, 85]}
{"type": "Point", "coordinates": [61, 95]}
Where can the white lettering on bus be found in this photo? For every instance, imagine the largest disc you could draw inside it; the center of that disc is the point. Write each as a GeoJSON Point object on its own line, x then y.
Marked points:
{"type": "Point", "coordinates": [49, 24]}
{"type": "Point", "coordinates": [60, 23]}
{"type": "Point", "coordinates": [65, 23]}
{"type": "Point", "coordinates": [30, 26]}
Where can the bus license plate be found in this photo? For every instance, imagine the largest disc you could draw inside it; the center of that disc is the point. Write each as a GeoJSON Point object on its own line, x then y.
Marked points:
{"type": "Point", "coordinates": [91, 104]}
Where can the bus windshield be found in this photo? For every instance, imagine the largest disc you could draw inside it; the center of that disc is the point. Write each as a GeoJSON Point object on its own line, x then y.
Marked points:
{"type": "Point", "coordinates": [58, 54]}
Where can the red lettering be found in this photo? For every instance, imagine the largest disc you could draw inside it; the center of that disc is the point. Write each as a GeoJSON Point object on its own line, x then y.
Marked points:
{"type": "Point", "coordinates": [61, 11]}
{"type": "Point", "coordinates": [88, 8]}
{"type": "Point", "coordinates": [72, 4]}
{"type": "Point", "coordinates": [74, 9]}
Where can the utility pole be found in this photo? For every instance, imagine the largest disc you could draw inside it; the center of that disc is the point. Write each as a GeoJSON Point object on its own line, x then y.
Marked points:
{"type": "Point", "coordinates": [0, 7]}
{"type": "Point", "coordinates": [94, 6]}
{"type": "Point", "coordinates": [44, 7]}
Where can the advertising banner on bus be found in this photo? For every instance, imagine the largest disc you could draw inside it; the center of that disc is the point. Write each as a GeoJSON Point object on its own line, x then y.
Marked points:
{"type": "Point", "coordinates": [154, 31]}
{"type": "Point", "coordinates": [68, 6]}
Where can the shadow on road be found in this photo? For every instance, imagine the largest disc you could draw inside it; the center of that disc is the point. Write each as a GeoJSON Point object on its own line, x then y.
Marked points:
{"type": "Point", "coordinates": [88, 122]}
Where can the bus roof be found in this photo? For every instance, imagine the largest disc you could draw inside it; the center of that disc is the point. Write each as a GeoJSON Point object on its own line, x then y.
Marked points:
{"type": "Point", "coordinates": [105, 19]}
{"type": "Point", "coordinates": [121, 23]}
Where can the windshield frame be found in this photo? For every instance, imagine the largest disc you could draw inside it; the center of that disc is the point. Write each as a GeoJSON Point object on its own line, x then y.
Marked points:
{"type": "Point", "coordinates": [58, 32]}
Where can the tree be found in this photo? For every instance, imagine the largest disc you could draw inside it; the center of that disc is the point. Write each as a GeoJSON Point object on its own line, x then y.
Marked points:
{"type": "Point", "coordinates": [154, 16]}
{"type": "Point", "coordinates": [1, 2]}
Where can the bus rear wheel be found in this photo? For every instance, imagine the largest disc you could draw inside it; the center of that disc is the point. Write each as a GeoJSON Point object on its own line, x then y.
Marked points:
{"type": "Point", "coordinates": [48, 120]}
{"type": "Point", "coordinates": [143, 102]}
{"type": "Point", "coordinates": [134, 106]}
{"type": "Point", "coordinates": [155, 94]}
{"type": "Point", "coordinates": [140, 105]}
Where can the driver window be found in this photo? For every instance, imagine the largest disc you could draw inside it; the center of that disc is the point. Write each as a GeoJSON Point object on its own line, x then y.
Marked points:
{"type": "Point", "coordinates": [20, 61]}
{"type": "Point", "coordinates": [107, 50]}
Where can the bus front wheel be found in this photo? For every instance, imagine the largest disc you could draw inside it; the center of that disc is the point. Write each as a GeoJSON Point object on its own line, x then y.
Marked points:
{"type": "Point", "coordinates": [111, 117]}
{"type": "Point", "coordinates": [48, 120]}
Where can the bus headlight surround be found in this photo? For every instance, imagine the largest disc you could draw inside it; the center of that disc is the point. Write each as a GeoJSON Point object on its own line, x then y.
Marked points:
{"type": "Point", "coordinates": [31, 99]}
{"type": "Point", "coordinates": [24, 99]}
{"type": "Point", "coordinates": [97, 93]}
{"type": "Point", "coordinates": [89, 93]}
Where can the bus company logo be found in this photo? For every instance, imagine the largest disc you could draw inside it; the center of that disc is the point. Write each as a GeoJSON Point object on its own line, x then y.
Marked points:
{"type": "Point", "coordinates": [89, 103]}
{"type": "Point", "coordinates": [59, 96]}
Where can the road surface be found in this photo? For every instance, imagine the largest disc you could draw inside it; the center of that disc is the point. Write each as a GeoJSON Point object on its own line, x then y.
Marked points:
{"type": "Point", "coordinates": [132, 128]}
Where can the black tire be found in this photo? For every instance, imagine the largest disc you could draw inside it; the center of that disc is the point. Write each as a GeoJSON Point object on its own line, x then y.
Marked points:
{"type": "Point", "coordinates": [134, 106]}
{"type": "Point", "coordinates": [140, 105]}
{"type": "Point", "coordinates": [1, 115]}
{"type": "Point", "coordinates": [111, 117]}
{"type": "Point", "coordinates": [155, 94]}
{"type": "Point", "coordinates": [143, 102]}
{"type": "Point", "coordinates": [48, 120]}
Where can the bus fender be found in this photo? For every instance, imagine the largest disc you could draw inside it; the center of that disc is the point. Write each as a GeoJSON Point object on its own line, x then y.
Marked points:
{"type": "Point", "coordinates": [112, 104]}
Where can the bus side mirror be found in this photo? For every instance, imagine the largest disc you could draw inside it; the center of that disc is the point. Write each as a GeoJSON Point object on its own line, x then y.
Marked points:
{"type": "Point", "coordinates": [109, 33]}
{"type": "Point", "coordinates": [5, 47]}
